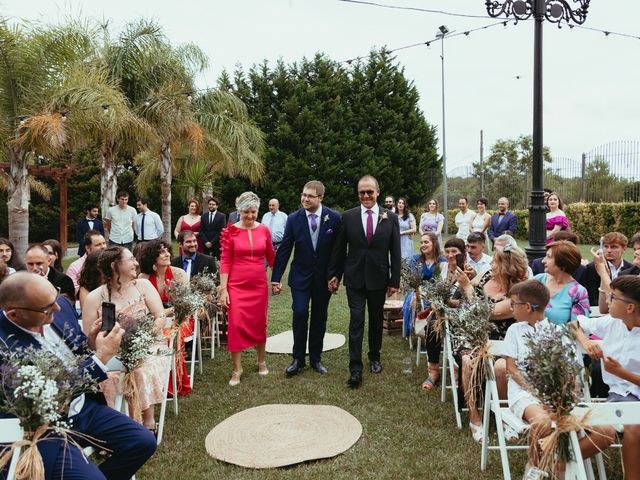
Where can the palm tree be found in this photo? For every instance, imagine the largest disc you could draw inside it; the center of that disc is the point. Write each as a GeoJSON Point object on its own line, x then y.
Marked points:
{"type": "Point", "coordinates": [32, 64]}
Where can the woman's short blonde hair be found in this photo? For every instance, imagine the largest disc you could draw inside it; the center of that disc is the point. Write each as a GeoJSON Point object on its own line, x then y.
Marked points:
{"type": "Point", "coordinates": [246, 201]}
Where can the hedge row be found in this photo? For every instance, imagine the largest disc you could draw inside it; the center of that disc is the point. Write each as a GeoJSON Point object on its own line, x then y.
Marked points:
{"type": "Point", "coordinates": [589, 221]}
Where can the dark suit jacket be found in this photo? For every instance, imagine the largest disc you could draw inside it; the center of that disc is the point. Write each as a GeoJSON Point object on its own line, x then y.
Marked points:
{"type": "Point", "coordinates": [201, 263]}
{"type": "Point", "coordinates": [210, 231]}
{"type": "Point", "coordinates": [66, 325]}
{"type": "Point", "coordinates": [630, 271]}
{"type": "Point", "coordinates": [538, 267]}
{"type": "Point", "coordinates": [233, 217]}
{"type": "Point", "coordinates": [62, 281]}
{"type": "Point", "coordinates": [592, 281]}
{"type": "Point", "coordinates": [371, 267]}
{"type": "Point", "coordinates": [308, 264]}
{"type": "Point", "coordinates": [508, 223]}
{"type": "Point", "coordinates": [83, 227]}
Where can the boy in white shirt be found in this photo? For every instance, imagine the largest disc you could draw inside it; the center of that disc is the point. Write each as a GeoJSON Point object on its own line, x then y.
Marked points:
{"type": "Point", "coordinates": [528, 302]}
{"type": "Point", "coordinates": [620, 355]}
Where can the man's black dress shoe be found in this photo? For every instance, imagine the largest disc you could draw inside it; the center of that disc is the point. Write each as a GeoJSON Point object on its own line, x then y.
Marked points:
{"type": "Point", "coordinates": [355, 380]}
{"type": "Point", "coordinates": [295, 367]}
{"type": "Point", "coordinates": [376, 366]}
{"type": "Point", "coordinates": [319, 367]}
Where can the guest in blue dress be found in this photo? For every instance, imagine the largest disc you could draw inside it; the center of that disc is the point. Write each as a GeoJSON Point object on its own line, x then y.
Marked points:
{"type": "Point", "coordinates": [407, 228]}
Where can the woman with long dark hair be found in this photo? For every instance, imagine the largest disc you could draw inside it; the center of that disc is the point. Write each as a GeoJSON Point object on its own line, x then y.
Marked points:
{"type": "Point", "coordinates": [9, 255]}
{"type": "Point", "coordinates": [407, 228]}
{"type": "Point", "coordinates": [55, 253]}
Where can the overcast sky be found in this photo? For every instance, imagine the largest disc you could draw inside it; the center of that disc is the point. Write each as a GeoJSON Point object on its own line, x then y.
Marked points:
{"type": "Point", "coordinates": [592, 83]}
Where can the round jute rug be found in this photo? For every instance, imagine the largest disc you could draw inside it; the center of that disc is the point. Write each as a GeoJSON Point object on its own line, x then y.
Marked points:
{"type": "Point", "coordinates": [277, 435]}
{"type": "Point", "coordinates": [283, 342]}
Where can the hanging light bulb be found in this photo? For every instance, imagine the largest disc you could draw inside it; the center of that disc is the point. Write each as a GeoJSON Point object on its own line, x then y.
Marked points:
{"type": "Point", "coordinates": [22, 119]}
{"type": "Point", "coordinates": [105, 108]}
{"type": "Point", "coordinates": [147, 102]}
{"type": "Point", "coordinates": [63, 116]}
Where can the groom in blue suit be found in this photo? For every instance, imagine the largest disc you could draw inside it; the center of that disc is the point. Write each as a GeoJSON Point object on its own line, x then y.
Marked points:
{"type": "Point", "coordinates": [312, 230]}
{"type": "Point", "coordinates": [35, 315]}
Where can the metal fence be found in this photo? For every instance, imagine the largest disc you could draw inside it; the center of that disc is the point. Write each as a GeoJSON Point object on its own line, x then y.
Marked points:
{"type": "Point", "coordinates": [608, 173]}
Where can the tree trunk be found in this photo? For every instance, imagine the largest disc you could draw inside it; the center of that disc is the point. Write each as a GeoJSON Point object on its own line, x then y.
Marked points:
{"type": "Point", "coordinates": [108, 179]}
{"type": "Point", "coordinates": [18, 198]}
{"type": "Point", "coordinates": [166, 179]}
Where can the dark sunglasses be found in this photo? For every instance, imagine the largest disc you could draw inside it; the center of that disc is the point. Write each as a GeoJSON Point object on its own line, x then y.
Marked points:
{"type": "Point", "coordinates": [367, 193]}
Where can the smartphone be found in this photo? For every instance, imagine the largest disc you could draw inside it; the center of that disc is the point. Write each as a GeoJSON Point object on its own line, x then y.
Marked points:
{"type": "Point", "coordinates": [602, 243]}
{"type": "Point", "coordinates": [460, 260]}
{"type": "Point", "coordinates": [108, 316]}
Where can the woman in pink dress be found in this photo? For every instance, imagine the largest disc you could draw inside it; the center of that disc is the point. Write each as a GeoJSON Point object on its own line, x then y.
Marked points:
{"type": "Point", "coordinates": [556, 218]}
{"type": "Point", "coordinates": [243, 283]}
{"type": "Point", "coordinates": [190, 221]}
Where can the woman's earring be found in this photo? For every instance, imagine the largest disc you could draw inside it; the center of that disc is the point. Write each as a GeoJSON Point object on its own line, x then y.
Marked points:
{"type": "Point", "coordinates": [155, 269]}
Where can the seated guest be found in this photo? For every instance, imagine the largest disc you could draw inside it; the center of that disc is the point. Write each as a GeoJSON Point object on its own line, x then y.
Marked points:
{"type": "Point", "coordinates": [9, 256]}
{"type": "Point", "coordinates": [568, 298]}
{"type": "Point", "coordinates": [506, 239]}
{"type": "Point", "coordinates": [190, 260]}
{"type": "Point", "coordinates": [527, 301]}
{"type": "Point", "coordinates": [90, 277]}
{"type": "Point", "coordinates": [614, 244]}
{"type": "Point", "coordinates": [620, 361]}
{"type": "Point", "coordinates": [37, 260]}
{"type": "Point", "coordinates": [476, 258]}
{"type": "Point", "coordinates": [93, 241]}
{"type": "Point", "coordinates": [33, 315]}
{"type": "Point", "coordinates": [133, 298]}
{"type": "Point", "coordinates": [429, 260]}
{"type": "Point", "coordinates": [55, 253]}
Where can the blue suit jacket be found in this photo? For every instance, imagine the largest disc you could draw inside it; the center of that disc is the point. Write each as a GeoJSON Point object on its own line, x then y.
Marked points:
{"type": "Point", "coordinates": [83, 227]}
{"type": "Point", "coordinates": [508, 223]}
{"type": "Point", "coordinates": [308, 264]}
{"type": "Point", "coordinates": [66, 324]}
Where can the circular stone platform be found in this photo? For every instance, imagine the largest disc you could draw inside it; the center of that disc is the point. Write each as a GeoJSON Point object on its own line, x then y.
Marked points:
{"type": "Point", "coordinates": [283, 342]}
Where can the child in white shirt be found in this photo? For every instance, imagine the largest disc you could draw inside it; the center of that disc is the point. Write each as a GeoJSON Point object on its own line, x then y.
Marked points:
{"type": "Point", "coordinates": [620, 355]}
{"type": "Point", "coordinates": [528, 302]}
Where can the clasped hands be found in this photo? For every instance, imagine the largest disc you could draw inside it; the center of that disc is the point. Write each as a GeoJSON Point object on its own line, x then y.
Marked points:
{"type": "Point", "coordinates": [334, 284]}
{"type": "Point", "coordinates": [276, 288]}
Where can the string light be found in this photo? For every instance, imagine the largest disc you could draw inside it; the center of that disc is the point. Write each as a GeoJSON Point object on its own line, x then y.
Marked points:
{"type": "Point", "coordinates": [147, 103]}
{"type": "Point", "coordinates": [63, 116]}
{"type": "Point", "coordinates": [105, 108]}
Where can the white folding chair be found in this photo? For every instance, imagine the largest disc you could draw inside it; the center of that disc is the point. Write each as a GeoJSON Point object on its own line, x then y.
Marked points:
{"type": "Point", "coordinates": [448, 371]}
{"type": "Point", "coordinates": [600, 414]}
{"type": "Point", "coordinates": [418, 329]}
{"type": "Point", "coordinates": [174, 385]}
{"type": "Point", "coordinates": [196, 348]}
{"type": "Point", "coordinates": [501, 413]}
{"type": "Point", "coordinates": [11, 431]}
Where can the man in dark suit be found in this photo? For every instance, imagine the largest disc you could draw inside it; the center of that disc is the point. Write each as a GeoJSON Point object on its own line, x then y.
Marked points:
{"type": "Point", "coordinates": [37, 261]}
{"type": "Point", "coordinates": [89, 222]}
{"type": "Point", "coordinates": [537, 266]}
{"type": "Point", "coordinates": [502, 222]}
{"type": "Point", "coordinates": [614, 244]}
{"type": "Point", "coordinates": [33, 315]}
{"type": "Point", "coordinates": [367, 251]}
{"type": "Point", "coordinates": [312, 230]}
{"type": "Point", "coordinates": [191, 261]}
{"type": "Point", "coordinates": [211, 225]}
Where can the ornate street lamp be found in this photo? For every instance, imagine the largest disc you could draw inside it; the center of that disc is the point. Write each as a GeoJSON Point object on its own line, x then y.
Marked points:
{"type": "Point", "coordinates": [555, 11]}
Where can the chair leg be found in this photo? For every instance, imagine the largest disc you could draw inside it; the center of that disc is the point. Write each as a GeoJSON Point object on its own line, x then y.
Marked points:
{"type": "Point", "coordinates": [199, 348]}
{"type": "Point", "coordinates": [486, 418]}
{"type": "Point", "coordinates": [174, 383]}
{"type": "Point", "coordinates": [575, 468]}
{"type": "Point", "coordinates": [454, 390]}
{"type": "Point", "coordinates": [502, 444]}
{"type": "Point", "coordinates": [194, 343]}
{"type": "Point", "coordinates": [418, 347]}
{"type": "Point", "coordinates": [443, 383]}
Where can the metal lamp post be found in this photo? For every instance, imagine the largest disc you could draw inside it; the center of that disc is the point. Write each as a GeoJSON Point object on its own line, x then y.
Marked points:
{"type": "Point", "coordinates": [443, 30]}
{"type": "Point", "coordinates": [555, 11]}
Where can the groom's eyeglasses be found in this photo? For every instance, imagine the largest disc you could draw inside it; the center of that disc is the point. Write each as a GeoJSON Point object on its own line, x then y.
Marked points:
{"type": "Point", "coordinates": [366, 193]}
{"type": "Point", "coordinates": [310, 197]}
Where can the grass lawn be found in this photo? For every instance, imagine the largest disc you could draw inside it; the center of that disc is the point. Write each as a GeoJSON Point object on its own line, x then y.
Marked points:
{"type": "Point", "coordinates": [407, 433]}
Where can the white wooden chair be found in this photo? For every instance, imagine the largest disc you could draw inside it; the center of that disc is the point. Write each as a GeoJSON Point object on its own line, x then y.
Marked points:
{"type": "Point", "coordinates": [196, 348]}
{"type": "Point", "coordinates": [418, 330]}
{"type": "Point", "coordinates": [501, 413]}
{"type": "Point", "coordinates": [174, 385]}
{"type": "Point", "coordinates": [11, 431]}
{"type": "Point", "coordinates": [448, 371]}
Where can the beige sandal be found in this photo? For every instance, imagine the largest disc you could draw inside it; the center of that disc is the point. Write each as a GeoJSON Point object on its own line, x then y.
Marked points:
{"type": "Point", "coordinates": [263, 371]}
{"type": "Point", "coordinates": [235, 378]}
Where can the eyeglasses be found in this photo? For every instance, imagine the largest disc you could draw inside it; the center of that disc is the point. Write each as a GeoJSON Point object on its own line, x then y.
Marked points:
{"type": "Point", "coordinates": [46, 310]}
{"type": "Point", "coordinates": [513, 304]}
{"type": "Point", "coordinates": [309, 196]}
{"type": "Point", "coordinates": [367, 193]}
{"type": "Point", "coordinates": [612, 297]}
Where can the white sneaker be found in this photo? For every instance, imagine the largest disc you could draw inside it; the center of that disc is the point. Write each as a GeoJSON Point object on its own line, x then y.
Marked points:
{"type": "Point", "coordinates": [476, 432]}
{"type": "Point", "coordinates": [510, 434]}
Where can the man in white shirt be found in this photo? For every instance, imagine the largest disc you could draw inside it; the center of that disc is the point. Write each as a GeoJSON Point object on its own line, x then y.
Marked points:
{"type": "Point", "coordinates": [120, 221]}
{"type": "Point", "coordinates": [93, 242]}
{"type": "Point", "coordinates": [148, 223]}
{"type": "Point", "coordinates": [620, 356]}
{"type": "Point", "coordinates": [476, 258]}
{"type": "Point", "coordinates": [275, 220]}
{"type": "Point", "coordinates": [463, 219]}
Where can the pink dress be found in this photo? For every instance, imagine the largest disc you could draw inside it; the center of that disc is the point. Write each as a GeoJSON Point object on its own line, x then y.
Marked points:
{"type": "Point", "coordinates": [247, 284]}
{"type": "Point", "coordinates": [560, 220]}
{"type": "Point", "coordinates": [195, 227]}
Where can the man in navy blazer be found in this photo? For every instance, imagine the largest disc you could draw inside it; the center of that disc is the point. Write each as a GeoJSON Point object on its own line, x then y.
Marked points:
{"type": "Point", "coordinates": [312, 230]}
{"type": "Point", "coordinates": [35, 315]}
{"type": "Point", "coordinates": [367, 251]}
{"type": "Point", "coordinates": [89, 222]}
{"type": "Point", "coordinates": [502, 222]}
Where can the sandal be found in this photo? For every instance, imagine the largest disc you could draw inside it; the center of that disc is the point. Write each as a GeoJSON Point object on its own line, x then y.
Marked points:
{"type": "Point", "coordinates": [263, 371]}
{"type": "Point", "coordinates": [433, 380]}
{"type": "Point", "coordinates": [235, 378]}
{"type": "Point", "coordinates": [476, 432]}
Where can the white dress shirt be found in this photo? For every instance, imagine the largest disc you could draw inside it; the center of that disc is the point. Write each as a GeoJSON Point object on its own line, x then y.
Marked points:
{"type": "Point", "coordinates": [375, 216]}
{"type": "Point", "coordinates": [275, 222]}
{"type": "Point", "coordinates": [153, 228]}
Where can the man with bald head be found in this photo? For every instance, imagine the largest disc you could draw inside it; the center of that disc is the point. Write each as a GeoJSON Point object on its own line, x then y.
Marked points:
{"type": "Point", "coordinates": [37, 261]}
{"type": "Point", "coordinates": [503, 222]}
{"type": "Point", "coordinates": [34, 315]}
{"type": "Point", "coordinates": [275, 220]}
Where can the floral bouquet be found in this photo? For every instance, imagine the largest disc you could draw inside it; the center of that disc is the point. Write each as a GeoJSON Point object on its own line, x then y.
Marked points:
{"type": "Point", "coordinates": [185, 301]}
{"type": "Point", "coordinates": [207, 284]}
{"type": "Point", "coordinates": [550, 370]}
{"type": "Point", "coordinates": [437, 293]}
{"type": "Point", "coordinates": [37, 387]}
{"type": "Point", "coordinates": [471, 326]}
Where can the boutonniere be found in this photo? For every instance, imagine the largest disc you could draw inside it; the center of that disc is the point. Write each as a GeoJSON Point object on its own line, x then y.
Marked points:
{"type": "Point", "coordinates": [326, 218]}
{"type": "Point", "coordinates": [383, 216]}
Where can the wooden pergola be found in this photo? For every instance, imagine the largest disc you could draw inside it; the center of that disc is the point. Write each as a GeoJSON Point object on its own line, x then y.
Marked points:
{"type": "Point", "coordinates": [60, 176]}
